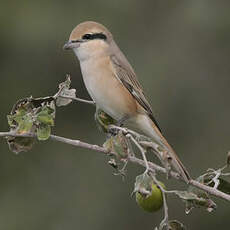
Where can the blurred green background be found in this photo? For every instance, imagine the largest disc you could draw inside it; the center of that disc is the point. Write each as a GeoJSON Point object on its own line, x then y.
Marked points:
{"type": "Point", "coordinates": [180, 51]}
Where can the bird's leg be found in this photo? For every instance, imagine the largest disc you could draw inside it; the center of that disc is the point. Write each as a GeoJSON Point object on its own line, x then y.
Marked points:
{"type": "Point", "coordinates": [118, 123]}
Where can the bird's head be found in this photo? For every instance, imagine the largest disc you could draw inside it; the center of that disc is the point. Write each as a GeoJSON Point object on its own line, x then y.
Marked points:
{"type": "Point", "coordinates": [89, 39]}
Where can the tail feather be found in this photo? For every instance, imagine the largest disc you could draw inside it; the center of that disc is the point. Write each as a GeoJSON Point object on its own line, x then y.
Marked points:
{"type": "Point", "coordinates": [147, 126]}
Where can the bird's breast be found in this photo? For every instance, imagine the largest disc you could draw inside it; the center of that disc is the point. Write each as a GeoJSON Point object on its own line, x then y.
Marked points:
{"type": "Point", "coordinates": [106, 90]}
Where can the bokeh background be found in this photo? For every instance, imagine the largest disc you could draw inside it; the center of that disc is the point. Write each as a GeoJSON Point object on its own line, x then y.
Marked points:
{"type": "Point", "coordinates": [180, 51]}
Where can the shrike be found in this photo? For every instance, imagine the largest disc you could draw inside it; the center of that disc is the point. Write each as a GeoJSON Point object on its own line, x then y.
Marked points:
{"type": "Point", "coordinates": [113, 85]}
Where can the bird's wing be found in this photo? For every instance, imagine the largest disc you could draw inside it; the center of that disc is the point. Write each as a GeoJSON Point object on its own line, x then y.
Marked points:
{"type": "Point", "coordinates": [127, 77]}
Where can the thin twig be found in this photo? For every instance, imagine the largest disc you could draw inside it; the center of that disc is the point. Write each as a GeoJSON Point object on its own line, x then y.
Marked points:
{"type": "Point", "coordinates": [126, 131]}
{"type": "Point", "coordinates": [165, 221]}
{"type": "Point", "coordinates": [143, 151]}
{"type": "Point", "coordinates": [58, 94]}
{"type": "Point", "coordinates": [210, 190]}
{"type": "Point", "coordinates": [78, 99]}
{"type": "Point", "coordinates": [153, 167]}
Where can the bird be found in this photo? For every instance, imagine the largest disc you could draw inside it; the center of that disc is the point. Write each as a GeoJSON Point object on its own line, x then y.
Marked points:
{"type": "Point", "coordinates": [113, 85]}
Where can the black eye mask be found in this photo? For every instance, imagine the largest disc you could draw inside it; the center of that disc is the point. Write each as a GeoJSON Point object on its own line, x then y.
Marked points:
{"type": "Point", "coordinates": [94, 36]}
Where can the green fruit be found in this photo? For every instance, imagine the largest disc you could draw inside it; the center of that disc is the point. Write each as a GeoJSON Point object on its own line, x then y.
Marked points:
{"type": "Point", "coordinates": [152, 202]}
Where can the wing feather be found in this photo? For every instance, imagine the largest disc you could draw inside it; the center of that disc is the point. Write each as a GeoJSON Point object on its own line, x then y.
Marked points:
{"type": "Point", "coordinates": [127, 77]}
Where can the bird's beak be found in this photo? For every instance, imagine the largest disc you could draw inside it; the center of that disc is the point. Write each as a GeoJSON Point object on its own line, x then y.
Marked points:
{"type": "Point", "coordinates": [69, 45]}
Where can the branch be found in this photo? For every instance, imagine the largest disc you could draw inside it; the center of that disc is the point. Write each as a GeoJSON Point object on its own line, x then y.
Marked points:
{"type": "Point", "coordinates": [78, 99]}
{"type": "Point", "coordinates": [60, 139]}
{"type": "Point", "coordinates": [152, 167]}
{"type": "Point", "coordinates": [210, 190]}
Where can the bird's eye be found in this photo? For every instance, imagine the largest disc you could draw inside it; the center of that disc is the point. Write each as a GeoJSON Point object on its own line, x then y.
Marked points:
{"type": "Point", "coordinates": [100, 36]}
{"type": "Point", "coordinates": [87, 36]}
{"type": "Point", "coordinates": [94, 36]}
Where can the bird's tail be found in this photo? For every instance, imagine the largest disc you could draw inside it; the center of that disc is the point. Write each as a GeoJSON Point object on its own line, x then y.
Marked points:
{"type": "Point", "coordinates": [148, 127]}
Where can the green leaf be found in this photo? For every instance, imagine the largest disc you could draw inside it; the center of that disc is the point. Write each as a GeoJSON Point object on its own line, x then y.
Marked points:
{"type": "Point", "coordinates": [20, 144]}
{"type": "Point", "coordinates": [25, 124]}
{"type": "Point", "coordinates": [10, 119]}
{"type": "Point", "coordinates": [118, 144]}
{"type": "Point", "coordinates": [22, 106]}
{"type": "Point", "coordinates": [46, 119]}
{"type": "Point", "coordinates": [30, 115]}
{"type": "Point", "coordinates": [21, 122]}
{"type": "Point", "coordinates": [103, 120]}
{"type": "Point", "coordinates": [46, 116]}
{"type": "Point", "coordinates": [43, 132]}
{"type": "Point", "coordinates": [109, 144]}
{"type": "Point", "coordinates": [192, 200]}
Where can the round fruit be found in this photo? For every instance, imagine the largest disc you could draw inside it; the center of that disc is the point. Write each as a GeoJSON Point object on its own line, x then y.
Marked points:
{"type": "Point", "coordinates": [152, 202]}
